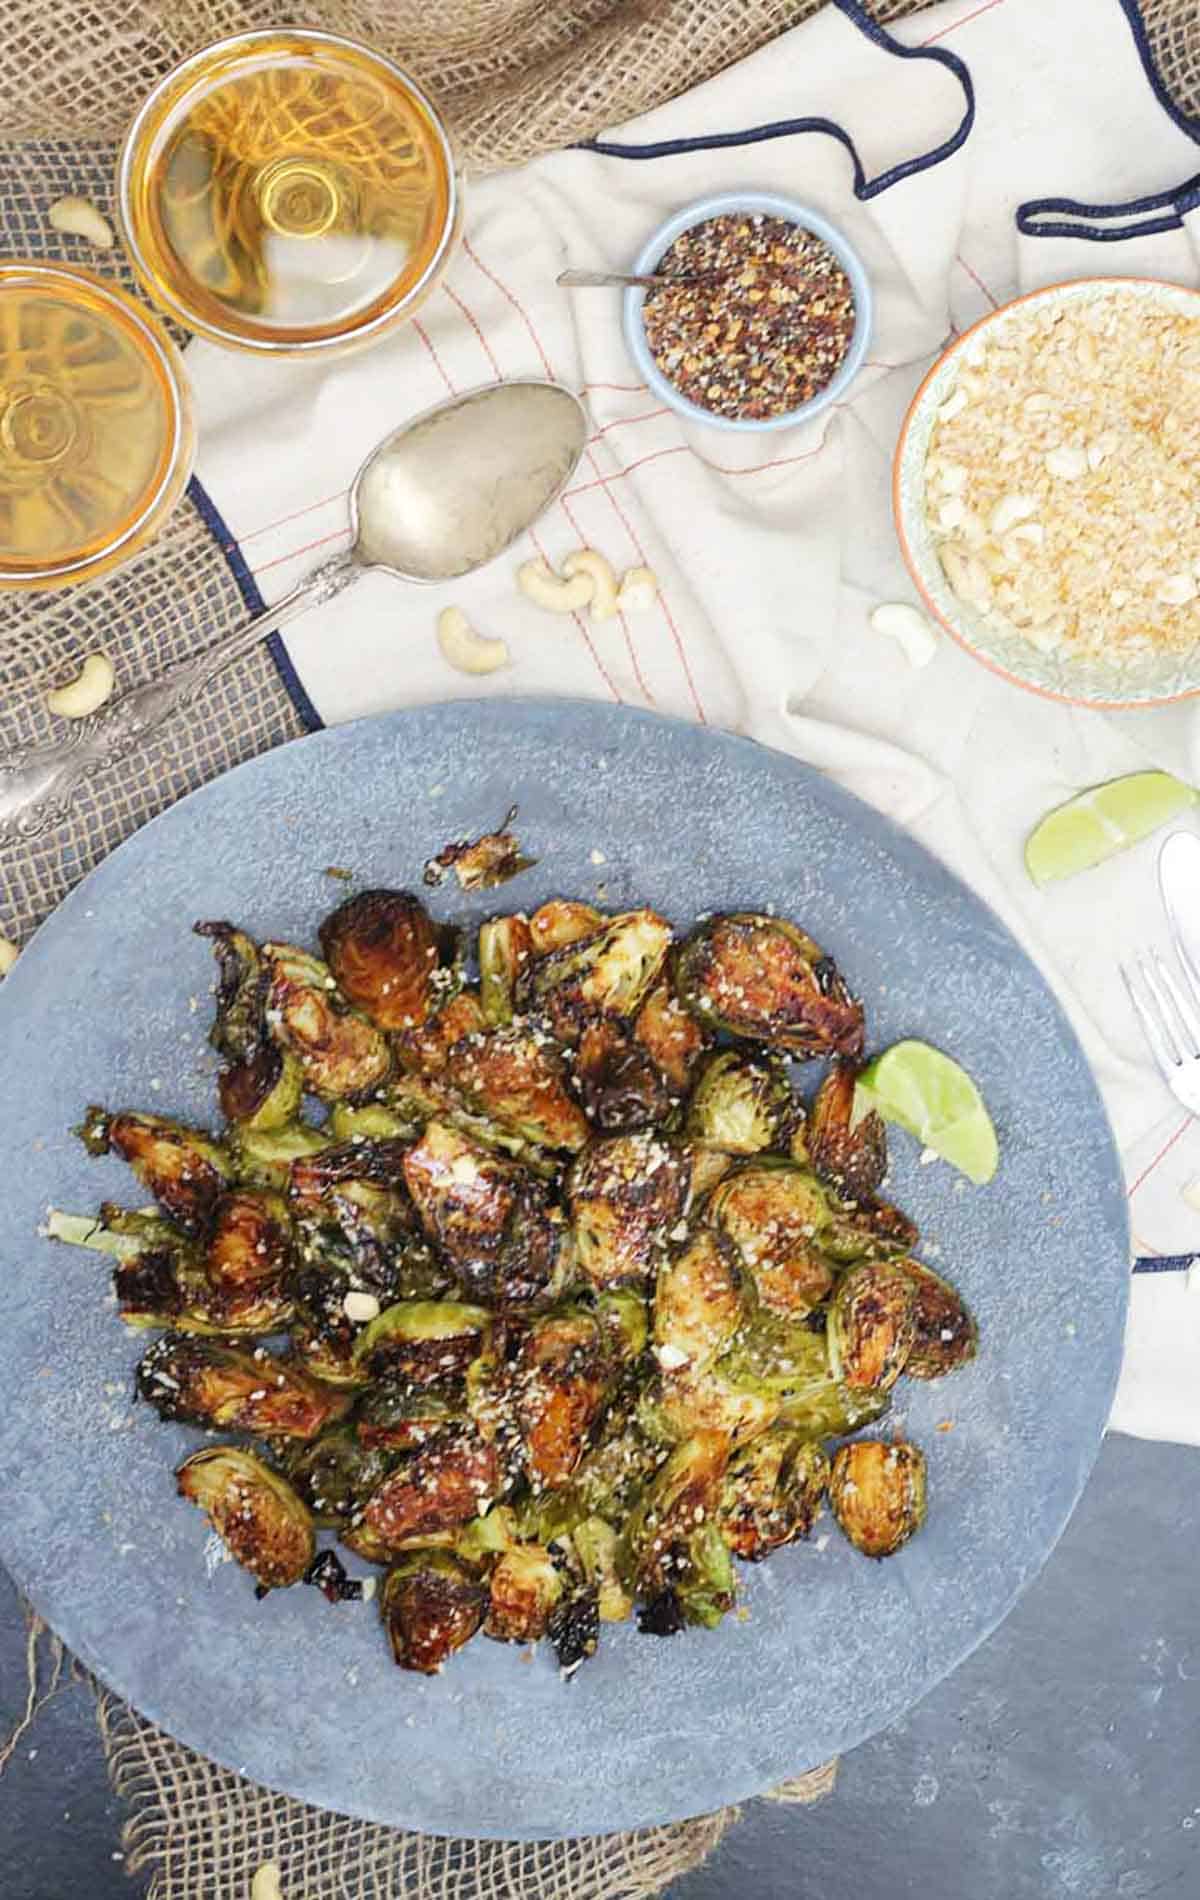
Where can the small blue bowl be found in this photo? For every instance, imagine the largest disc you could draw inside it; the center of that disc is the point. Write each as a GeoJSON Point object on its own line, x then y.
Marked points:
{"type": "Point", "coordinates": [752, 203]}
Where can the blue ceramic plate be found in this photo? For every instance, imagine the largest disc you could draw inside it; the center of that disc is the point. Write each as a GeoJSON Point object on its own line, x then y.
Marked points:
{"type": "Point", "coordinates": [111, 1003]}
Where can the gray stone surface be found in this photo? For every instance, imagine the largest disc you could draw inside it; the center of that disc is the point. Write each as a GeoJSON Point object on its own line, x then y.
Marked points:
{"type": "Point", "coordinates": [834, 1647]}
{"type": "Point", "coordinates": [1060, 1762]}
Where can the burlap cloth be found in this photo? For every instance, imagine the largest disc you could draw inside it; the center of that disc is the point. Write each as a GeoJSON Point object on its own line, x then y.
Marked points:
{"type": "Point", "coordinates": [515, 77]}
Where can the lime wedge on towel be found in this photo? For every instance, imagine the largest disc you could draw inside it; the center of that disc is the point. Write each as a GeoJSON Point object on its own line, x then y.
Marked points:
{"type": "Point", "coordinates": [928, 1093]}
{"type": "Point", "coordinates": [1097, 824]}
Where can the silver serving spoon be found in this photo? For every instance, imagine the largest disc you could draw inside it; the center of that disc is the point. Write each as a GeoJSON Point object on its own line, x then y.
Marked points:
{"type": "Point", "coordinates": [625, 280]}
{"type": "Point", "coordinates": [443, 495]}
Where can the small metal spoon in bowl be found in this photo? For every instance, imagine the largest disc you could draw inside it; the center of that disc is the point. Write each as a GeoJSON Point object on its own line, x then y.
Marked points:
{"type": "Point", "coordinates": [443, 495]}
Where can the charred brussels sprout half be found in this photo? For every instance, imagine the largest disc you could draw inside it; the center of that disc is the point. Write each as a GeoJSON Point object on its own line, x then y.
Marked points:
{"type": "Point", "coordinates": [262, 1084]}
{"type": "Point", "coordinates": [778, 1218]}
{"type": "Point", "coordinates": [596, 1548]}
{"type": "Point", "coordinates": [670, 1035]}
{"type": "Point", "coordinates": [509, 1077]}
{"type": "Point", "coordinates": [877, 1494]}
{"type": "Point", "coordinates": [772, 1493]}
{"type": "Point", "coordinates": [202, 1382]}
{"type": "Point", "coordinates": [254, 1511]}
{"type": "Point", "coordinates": [765, 980]}
{"type": "Point", "coordinates": [492, 1220]}
{"type": "Point", "coordinates": [382, 948]}
{"type": "Point", "coordinates": [560, 922]}
{"type": "Point", "coordinates": [423, 1342]}
{"type": "Point", "coordinates": [264, 1157]}
{"type": "Point", "coordinates": [687, 1402]}
{"type": "Point", "coordinates": [559, 1382]}
{"type": "Point", "coordinates": [161, 1279]}
{"type": "Point", "coordinates": [851, 1156]}
{"type": "Point", "coordinates": [831, 1409]}
{"type": "Point", "coordinates": [619, 1084]}
{"type": "Point", "coordinates": [608, 974]}
{"type": "Point", "coordinates": [340, 1052]}
{"type": "Point", "coordinates": [698, 1302]}
{"type": "Point", "coordinates": [871, 1326]}
{"type": "Point", "coordinates": [438, 1488]}
{"type": "Point", "coordinates": [674, 1548]}
{"type": "Point", "coordinates": [431, 1605]}
{"type": "Point", "coordinates": [740, 1104]}
{"type": "Point", "coordinates": [336, 1473]}
{"type": "Point", "coordinates": [397, 1418]}
{"type": "Point", "coordinates": [625, 1196]}
{"type": "Point", "coordinates": [505, 947]}
{"type": "Point", "coordinates": [525, 1587]}
{"type": "Point", "coordinates": [944, 1333]}
{"type": "Point", "coordinates": [251, 1239]}
{"type": "Point", "coordinates": [867, 1230]}
{"type": "Point", "coordinates": [184, 1169]}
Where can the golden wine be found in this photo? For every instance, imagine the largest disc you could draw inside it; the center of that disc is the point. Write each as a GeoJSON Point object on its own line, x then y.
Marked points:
{"type": "Point", "coordinates": [288, 191]}
{"type": "Point", "coordinates": [95, 431]}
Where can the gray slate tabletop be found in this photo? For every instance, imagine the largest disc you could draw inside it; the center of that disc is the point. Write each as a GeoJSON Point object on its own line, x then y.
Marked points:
{"type": "Point", "coordinates": [1061, 1762]}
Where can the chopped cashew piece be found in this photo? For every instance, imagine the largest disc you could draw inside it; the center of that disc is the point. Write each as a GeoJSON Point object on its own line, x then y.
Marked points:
{"type": "Point", "coordinates": [360, 1307]}
{"type": "Point", "coordinates": [87, 692]}
{"type": "Point", "coordinates": [909, 628]}
{"type": "Point", "coordinates": [545, 588]}
{"type": "Point", "coordinates": [603, 604]}
{"type": "Point", "coordinates": [265, 1884]}
{"type": "Point", "coordinates": [466, 650]}
{"type": "Point", "coordinates": [8, 955]}
{"type": "Point", "coordinates": [638, 590]}
{"type": "Point", "coordinates": [78, 217]}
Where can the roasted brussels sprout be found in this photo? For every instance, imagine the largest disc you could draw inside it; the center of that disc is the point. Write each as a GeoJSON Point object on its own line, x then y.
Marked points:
{"type": "Point", "coordinates": [184, 1169]}
{"type": "Point", "coordinates": [609, 974]}
{"type": "Point", "coordinates": [560, 922]}
{"type": "Point", "coordinates": [849, 1155]}
{"type": "Point", "coordinates": [772, 1493]}
{"type": "Point", "coordinates": [395, 1418]}
{"type": "Point", "coordinates": [265, 1091]}
{"type": "Point", "coordinates": [706, 1166]}
{"type": "Point", "coordinates": [869, 1229]}
{"type": "Point", "coordinates": [425, 1052]}
{"type": "Point", "coordinates": [686, 1402]}
{"type": "Point", "coordinates": [253, 1510]}
{"type": "Point", "coordinates": [237, 1028]}
{"type": "Point", "coordinates": [741, 1104]}
{"type": "Point", "coordinates": [371, 1121]}
{"type": "Point", "coordinates": [625, 1196]}
{"type": "Point", "coordinates": [777, 1216]}
{"type": "Point", "coordinates": [251, 1238]}
{"type": "Point", "coordinates": [624, 1323]}
{"type": "Point", "coordinates": [335, 1474]}
{"type": "Point", "coordinates": [423, 1342]}
{"type": "Point", "coordinates": [871, 1327]}
{"type": "Point", "coordinates": [621, 1088]}
{"type": "Point", "coordinates": [505, 947]}
{"type": "Point", "coordinates": [263, 1158]}
{"type": "Point", "coordinates": [674, 1550]}
{"type": "Point", "coordinates": [492, 1219]}
{"type": "Point", "coordinates": [671, 1037]}
{"type": "Point", "coordinates": [431, 1605]}
{"type": "Point", "coordinates": [597, 1553]}
{"type": "Point", "coordinates": [877, 1493]}
{"type": "Point", "coordinates": [439, 1487]}
{"type": "Point", "coordinates": [480, 864]}
{"type": "Point", "coordinates": [831, 1409]}
{"type": "Point", "coordinates": [559, 1383]}
{"type": "Point", "coordinates": [312, 1178]}
{"type": "Point", "coordinates": [698, 1302]}
{"type": "Point", "coordinates": [775, 1355]}
{"type": "Point", "coordinates": [202, 1382]}
{"type": "Point", "coordinates": [764, 979]}
{"type": "Point", "coordinates": [340, 1052]}
{"type": "Point", "coordinates": [382, 948]}
{"type": "Point", "coordinates": [944, 1333]}
{"type": "Point", "coordinates": [525, 1587]}
{"type": "Point", "coordinates": [509, 1077]}
{"type": "Point", "coordinates": [161, 1281]}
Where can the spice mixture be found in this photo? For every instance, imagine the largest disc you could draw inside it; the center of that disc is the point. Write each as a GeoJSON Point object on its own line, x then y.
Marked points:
{"type": "Point", "coordinates": [764, 337]}
{"type": "Point", "coordinates": [1063, 473]}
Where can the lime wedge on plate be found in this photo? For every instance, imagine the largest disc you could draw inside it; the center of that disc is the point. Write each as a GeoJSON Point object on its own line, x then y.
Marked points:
{"type": "Point", "coordinates": [1097, 824]}
{"type": "Point", "coordinates": [927, 1093]}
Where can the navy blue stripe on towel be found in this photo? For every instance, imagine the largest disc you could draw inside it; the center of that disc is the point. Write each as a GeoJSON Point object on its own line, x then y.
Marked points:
{"type": "Point", "coordinates": [214, 521]}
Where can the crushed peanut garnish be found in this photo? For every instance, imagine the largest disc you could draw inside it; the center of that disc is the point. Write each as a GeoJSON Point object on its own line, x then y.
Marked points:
{"type": "Point", "coordinates": [1062, 477]}
{"type": "Point", "coordinates": [767, 335]}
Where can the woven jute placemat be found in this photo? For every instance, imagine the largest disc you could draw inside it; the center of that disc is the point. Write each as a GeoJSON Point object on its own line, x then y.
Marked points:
{"type": "Point", "coordinates": [515, 77]}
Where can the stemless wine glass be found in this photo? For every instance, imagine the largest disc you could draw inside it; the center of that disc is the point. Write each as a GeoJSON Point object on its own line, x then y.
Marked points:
{"type": "Point", "coordinates": [96, 436]}
{"type": "Point", "coordinates": [288, 192]}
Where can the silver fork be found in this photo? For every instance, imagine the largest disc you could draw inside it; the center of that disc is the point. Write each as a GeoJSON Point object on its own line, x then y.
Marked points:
{"type": "Point", "coordinates": [1169, 1012]}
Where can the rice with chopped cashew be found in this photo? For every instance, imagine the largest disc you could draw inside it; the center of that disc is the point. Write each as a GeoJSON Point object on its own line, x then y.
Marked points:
{"type": "Point", "coordinates": [1062, 484]}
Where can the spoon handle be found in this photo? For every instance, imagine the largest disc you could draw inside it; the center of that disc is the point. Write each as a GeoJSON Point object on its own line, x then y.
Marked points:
{"type": "Point", "coordinates": [39, 783]}
{"type": "Point", "coordinates": [622, 280]}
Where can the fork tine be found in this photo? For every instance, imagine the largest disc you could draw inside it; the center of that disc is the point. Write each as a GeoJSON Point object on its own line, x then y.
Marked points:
{"type": "Point", "coordinates": [1191, 975]}
{"type": "Point", "coordinates": [1167, 1062]}
{"type": "Point", "coordinates": [1182, 1004]}
{"type": "Point", "coordinates": [1167, 1026]}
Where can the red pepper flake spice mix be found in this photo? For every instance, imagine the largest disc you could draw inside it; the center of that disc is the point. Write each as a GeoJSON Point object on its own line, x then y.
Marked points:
{"type": "Point", "coordinates": [767, 335]}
